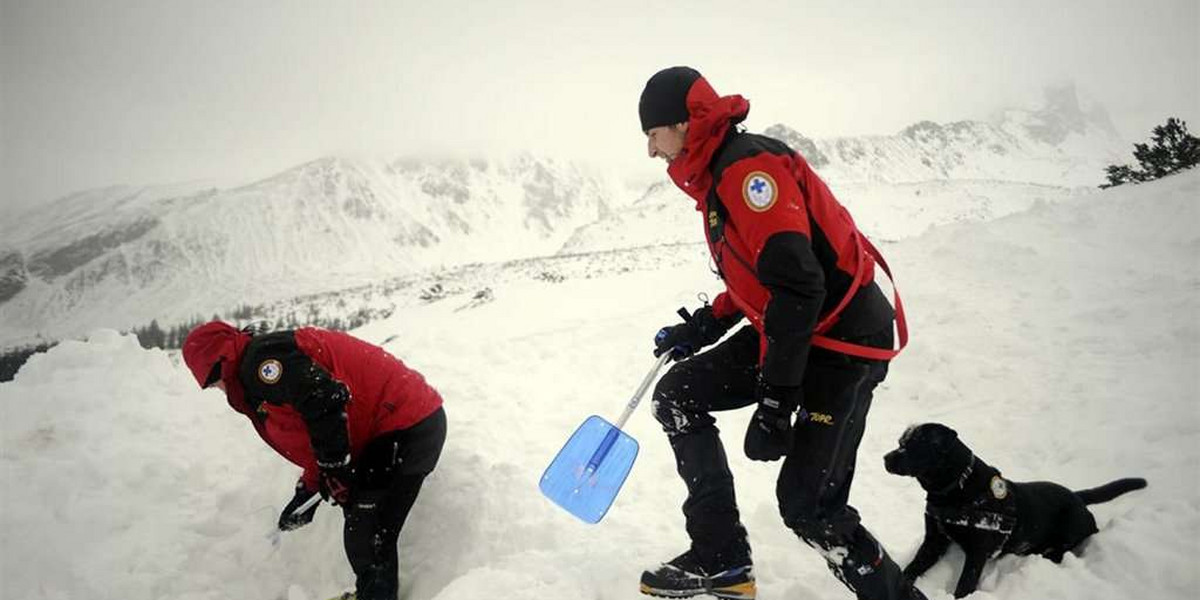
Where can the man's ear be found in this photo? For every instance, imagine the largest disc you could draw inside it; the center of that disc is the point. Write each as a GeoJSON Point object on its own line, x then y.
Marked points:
{"type": "Point", "coordinates": [680, 127]}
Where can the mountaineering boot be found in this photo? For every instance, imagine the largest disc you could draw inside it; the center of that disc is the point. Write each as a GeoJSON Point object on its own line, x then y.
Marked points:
{"type": "Point", "coordinates": [684, 576]}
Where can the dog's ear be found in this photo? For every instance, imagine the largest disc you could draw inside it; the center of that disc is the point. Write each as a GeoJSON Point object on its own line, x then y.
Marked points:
{"type": "Point", "coordinates": [943, 433]}
{"type": "Point", "coordinates": [908, 433]}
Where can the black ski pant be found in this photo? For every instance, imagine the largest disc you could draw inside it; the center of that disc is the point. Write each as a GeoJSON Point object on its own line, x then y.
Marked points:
{"type": "Point", "coordinates": [388, 476]}
{"type": "Point", "coordinates": [814, 480]}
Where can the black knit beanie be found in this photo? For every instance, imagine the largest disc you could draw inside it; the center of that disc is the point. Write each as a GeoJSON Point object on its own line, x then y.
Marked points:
{"type": "Point", "coordinates": [664, 101]}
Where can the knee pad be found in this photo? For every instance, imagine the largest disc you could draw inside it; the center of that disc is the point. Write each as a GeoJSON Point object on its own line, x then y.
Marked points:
{"type": "Point", "coordinates": [665, 401]}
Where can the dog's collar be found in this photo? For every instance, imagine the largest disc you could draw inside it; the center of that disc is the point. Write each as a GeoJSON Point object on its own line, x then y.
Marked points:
{"type": "Point", "coordinates": [962, 478]}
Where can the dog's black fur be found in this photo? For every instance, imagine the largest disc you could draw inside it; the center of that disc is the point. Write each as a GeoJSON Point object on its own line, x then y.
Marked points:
{"type": "Point", "coordinates": [969, 503]}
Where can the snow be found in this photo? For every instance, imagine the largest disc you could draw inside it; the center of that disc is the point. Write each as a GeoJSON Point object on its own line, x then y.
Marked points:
{"type": "Point", "coordinates": [1060, 341]}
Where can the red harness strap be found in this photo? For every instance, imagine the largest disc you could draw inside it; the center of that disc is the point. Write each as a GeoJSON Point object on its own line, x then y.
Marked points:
{"type": "Point", "coordinates": [821, 341]}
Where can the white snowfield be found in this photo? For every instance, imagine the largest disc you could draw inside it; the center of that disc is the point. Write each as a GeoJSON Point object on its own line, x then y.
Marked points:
{"type": "Point", "coordinates": [1061, 342]}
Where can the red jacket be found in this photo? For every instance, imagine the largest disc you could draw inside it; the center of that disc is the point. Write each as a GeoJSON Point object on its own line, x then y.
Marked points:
{"type": "Point", "coordinates": [312, 394]}
{"type": "Point", "coordinates": [792, 260]}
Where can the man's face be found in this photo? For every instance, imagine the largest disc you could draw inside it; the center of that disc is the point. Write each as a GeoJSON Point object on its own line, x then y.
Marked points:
{"type": "Point", "coordinates": [666, 141]}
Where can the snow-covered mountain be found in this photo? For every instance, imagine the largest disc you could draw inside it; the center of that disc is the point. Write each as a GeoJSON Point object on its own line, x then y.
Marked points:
{"type": "Point", "coordinates": [1063, 143]}
{"type": "Point", "coordinates": [120, 256]}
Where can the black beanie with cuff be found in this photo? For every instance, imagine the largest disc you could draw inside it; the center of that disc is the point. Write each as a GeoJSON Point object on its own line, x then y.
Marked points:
{"type": "Point", "coordinates": [664, 99]}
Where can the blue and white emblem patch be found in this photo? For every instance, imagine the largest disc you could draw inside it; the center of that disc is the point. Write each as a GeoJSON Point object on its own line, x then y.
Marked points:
{"type": "Point", "coordinates": [999, 487]}
{"type": "Point", "coordinates": [269, 371]}
{"type": "Point", "coordinates": [758, 188]}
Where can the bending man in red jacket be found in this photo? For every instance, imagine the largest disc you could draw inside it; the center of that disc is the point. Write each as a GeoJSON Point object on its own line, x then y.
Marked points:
{"type": "Point", "coordinates": [365, 428]}
{"type": "Point", "coordinates": [818, 342]}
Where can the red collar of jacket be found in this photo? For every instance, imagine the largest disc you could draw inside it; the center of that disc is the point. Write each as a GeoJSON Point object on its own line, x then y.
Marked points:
{"type": "Point", "coordinates": [217, 341]}
{"type": "Point", "coordinates": [710, 117]}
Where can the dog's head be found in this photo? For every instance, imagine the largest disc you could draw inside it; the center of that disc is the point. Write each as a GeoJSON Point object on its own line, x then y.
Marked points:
{"type": "Point", "coordinates": [924, 450]}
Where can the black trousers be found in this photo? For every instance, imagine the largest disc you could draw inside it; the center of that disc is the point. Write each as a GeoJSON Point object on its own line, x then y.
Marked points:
{"type": "Point", "coordinates": [814, 480]}
{"type": "Point", "coordinates": [388, 476]}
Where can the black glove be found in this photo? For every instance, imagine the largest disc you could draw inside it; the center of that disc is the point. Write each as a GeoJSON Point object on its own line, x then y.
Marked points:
{"type": "Point", "coordinates": [289, 519]}
{"type": "Point", "coordinates": [769, 435]}
{"type": "Point", "coordinates": [334, 482]}
{"type": "Point", "coordinates": [694, 333]}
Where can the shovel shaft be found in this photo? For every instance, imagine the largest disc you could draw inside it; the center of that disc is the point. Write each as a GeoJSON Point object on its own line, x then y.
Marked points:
{"type": "Point", "coordinates": [276, 531]}
{"type": "Point", "coordinates": [641, 390]}
{"type": "Point", "coordinates": [307, 504]}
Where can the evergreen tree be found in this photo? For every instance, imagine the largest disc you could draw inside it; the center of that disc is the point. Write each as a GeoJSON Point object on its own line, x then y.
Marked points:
{"type": "Point", "coordinates": [1171, 149]}
{"type": "Point", "coordinates": [151, 336]}
{"type": "Point", "coordinates": [12, 359]}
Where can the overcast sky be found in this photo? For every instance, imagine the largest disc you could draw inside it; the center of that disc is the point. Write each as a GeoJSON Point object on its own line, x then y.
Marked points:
{"type": "Point", "coordinates": [106, 92]}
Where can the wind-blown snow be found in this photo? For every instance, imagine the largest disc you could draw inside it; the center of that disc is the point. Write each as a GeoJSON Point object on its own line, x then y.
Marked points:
{"type": "Point", "coordinates": [1059, 341]}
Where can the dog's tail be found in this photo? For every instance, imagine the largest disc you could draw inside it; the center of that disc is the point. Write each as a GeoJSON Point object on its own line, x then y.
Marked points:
{"type": "Point", "coordinates": [1111, 490]}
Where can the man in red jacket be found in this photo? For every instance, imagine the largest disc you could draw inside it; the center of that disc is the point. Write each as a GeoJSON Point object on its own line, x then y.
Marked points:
{"type": "Point", "coordinates": [819, 340]}
{"type": "Point", "coordinates": [365, 428]}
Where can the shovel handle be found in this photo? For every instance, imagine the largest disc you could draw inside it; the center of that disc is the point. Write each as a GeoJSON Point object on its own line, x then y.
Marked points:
{"type": "Point", "coordinates": [641, 389]}
{"type": "Point", "coordinates": [307, 504]}
{"type": "Point", "coordinates": [274, 535]}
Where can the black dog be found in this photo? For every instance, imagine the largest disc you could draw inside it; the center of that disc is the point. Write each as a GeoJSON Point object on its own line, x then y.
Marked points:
{"type": "Point", "coordinates": [969, 503]}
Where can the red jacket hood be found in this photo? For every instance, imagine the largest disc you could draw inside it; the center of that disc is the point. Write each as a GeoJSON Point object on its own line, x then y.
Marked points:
{"type": "Point", "coordinates": [213, 342]}
{"type": "Point", "coordinates": [709, 118]}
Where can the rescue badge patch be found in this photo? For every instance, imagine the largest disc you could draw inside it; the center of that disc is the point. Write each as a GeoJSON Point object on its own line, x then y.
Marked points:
{"type": "Point", "coordinates": [758, 188]}
{"type": "Point", "coordinates": [269, 371]}
{"type": "Point", "coordinates": [999, 488]}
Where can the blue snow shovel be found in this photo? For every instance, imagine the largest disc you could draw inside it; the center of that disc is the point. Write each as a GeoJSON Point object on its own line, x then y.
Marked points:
{"type": "Point", "coordinates": [592, 466]}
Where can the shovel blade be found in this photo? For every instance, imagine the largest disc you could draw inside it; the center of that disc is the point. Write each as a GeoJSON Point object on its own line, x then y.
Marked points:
{"type": "Point", "coordinates": [585, 477]}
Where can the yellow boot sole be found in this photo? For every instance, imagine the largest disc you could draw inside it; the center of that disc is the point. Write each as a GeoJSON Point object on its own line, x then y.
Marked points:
{"type": "Point", "coordinates": [741, 591]}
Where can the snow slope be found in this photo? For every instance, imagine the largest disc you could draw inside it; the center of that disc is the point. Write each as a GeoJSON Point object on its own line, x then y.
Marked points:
{"type": "Point", "coordinates": [1059, 341]}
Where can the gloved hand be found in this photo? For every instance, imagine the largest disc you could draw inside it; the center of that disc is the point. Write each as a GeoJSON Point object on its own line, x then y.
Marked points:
{"type": "Point", "coordinates": [334, 482]}
{"type": "Point", "coordinates": [289, 519]}
{"type": "Point", "coordinates": [694, 333]}
{"type": "Point", "coordinates": [769, 435]}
